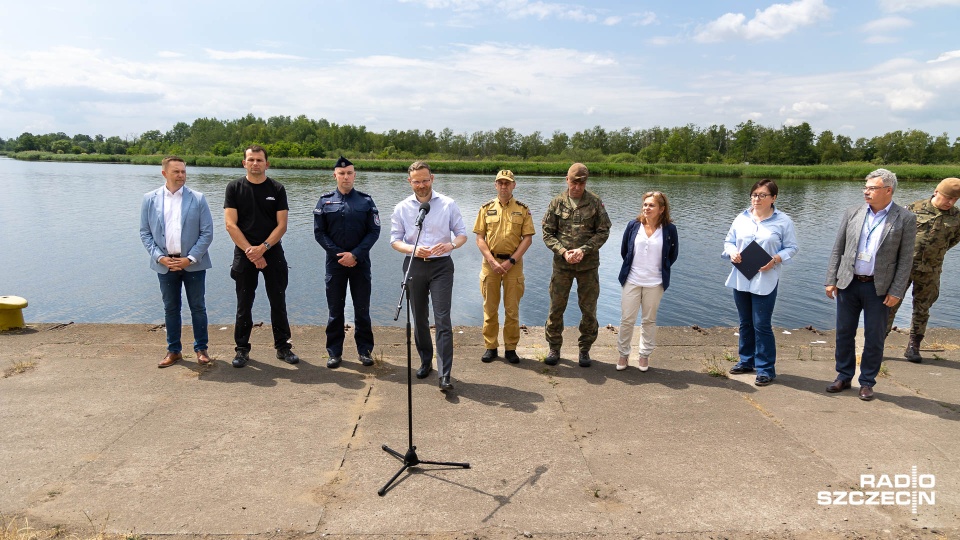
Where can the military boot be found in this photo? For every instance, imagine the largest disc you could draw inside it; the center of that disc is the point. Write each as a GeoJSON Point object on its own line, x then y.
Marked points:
{"type": "Point", "coordinates": [913, 349]}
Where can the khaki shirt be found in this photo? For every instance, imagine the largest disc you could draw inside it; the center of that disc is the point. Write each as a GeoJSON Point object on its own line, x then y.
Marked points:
{"type": "Point", "coordinates": [504, 225]}
{"type": "Point", "coordinates": [937, 232]}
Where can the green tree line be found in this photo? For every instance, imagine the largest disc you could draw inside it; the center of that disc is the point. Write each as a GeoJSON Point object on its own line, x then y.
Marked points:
{"type": "Point", "coordinates": [302, 137]}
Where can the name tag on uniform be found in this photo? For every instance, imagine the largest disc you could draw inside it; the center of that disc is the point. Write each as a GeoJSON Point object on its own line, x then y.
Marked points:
{"type": "Point", "coordinates": [491, 212]}
{"type": "Point", "coordinates": [863, 256]}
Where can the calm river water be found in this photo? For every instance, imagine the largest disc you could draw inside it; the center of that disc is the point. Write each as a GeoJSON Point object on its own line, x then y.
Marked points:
{"type": "Point", "coordinates": [70, 244]}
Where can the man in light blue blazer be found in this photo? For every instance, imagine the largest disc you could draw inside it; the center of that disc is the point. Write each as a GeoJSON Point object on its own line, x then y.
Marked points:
{"type": "Point", "coordinates": [868, 272]}
{"type": "Point", "coordinates": [177, 229]}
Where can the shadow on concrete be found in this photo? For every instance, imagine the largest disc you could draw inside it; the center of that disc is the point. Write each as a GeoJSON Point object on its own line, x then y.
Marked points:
{"type": "Point", "coordinates": [263, 374]}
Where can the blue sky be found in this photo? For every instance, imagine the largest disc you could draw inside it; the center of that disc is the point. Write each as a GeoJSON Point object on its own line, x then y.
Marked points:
{"type": "Point", "coordinates": [860, 68]}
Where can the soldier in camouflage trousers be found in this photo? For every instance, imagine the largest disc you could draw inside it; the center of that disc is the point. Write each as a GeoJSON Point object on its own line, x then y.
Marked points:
{"type": "Point", "coordinates": [575, 226]}
{"type": "Point", "coordinates": [938, 230]}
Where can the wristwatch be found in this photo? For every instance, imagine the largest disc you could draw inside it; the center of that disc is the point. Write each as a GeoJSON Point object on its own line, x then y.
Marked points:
{"type": "Point", "coordinates": [266, 245]}
{"type": "Point", "coordinates": [512, 260]}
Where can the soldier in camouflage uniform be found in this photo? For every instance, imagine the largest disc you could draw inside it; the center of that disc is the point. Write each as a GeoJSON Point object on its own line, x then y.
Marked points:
{"type": "Point", "coordinates": [574, 227]}
{"type": "Point", "coordinates": [938, 230]}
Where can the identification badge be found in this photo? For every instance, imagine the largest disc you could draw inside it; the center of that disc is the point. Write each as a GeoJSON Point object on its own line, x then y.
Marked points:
{"type": "Point", "coordinates": [863, 256]}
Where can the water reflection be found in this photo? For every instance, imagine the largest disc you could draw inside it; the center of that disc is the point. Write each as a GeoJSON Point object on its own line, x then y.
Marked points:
{"type": "Point", "coordinates": [70, 245]}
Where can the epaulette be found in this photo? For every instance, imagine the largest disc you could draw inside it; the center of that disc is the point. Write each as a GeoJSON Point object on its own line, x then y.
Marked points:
{"type": "Point", "coordinates": [328, 194]}
{"type": "Point", "coordinates": [488, 203]}
{"type": "Point", "coordinates": [521, 204]}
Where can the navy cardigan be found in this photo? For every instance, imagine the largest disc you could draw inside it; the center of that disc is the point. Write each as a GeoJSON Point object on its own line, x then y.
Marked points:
{"type": "Point", "coordinates": [671, 248]}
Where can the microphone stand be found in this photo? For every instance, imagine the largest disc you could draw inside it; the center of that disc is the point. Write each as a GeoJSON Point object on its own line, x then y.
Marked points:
{"type": "Point", "coordinates": [410, 458]}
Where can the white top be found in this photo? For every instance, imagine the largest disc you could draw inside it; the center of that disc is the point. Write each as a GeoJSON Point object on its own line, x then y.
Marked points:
{"type": "Point", "coordinates": [172, 228]}
{"type": "Point", "coordinates": [645, 270]}
{"type": "Point", "coordinates": [443, 219]}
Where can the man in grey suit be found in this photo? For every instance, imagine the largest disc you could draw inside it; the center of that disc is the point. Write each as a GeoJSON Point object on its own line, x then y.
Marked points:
{"type": "Point", "coordinates": [177, 229]}
{"type": "Point", "coordinates": [868, 272]}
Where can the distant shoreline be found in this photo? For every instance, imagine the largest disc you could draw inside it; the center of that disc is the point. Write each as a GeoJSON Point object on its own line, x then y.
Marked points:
{"type": "Point", "coordinates": [844, 171]}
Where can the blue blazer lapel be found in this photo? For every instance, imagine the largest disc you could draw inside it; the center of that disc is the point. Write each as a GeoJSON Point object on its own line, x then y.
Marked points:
{"type": "Point", "coordinates": [161, 234]}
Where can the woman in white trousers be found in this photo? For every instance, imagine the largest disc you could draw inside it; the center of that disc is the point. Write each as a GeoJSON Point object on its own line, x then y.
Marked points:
{"type": "Point", "coordinates": [650, 246]}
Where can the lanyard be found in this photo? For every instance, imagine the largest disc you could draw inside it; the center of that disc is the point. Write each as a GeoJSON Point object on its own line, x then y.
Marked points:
{"type": "Point", "coordinates": [877, 222]}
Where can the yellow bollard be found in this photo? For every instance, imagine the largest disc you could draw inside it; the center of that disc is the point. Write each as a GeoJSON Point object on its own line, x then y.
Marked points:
{"type": "Point", "coordinates": [11, 312]}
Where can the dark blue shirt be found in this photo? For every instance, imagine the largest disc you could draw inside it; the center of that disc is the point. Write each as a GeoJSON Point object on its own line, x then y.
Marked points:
{"type": "Point", "coordinates": [348, 222]}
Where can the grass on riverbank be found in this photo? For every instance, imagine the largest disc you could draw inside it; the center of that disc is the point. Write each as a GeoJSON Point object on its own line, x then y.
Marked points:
{"type": "Point", "coordinates": [844, 171]}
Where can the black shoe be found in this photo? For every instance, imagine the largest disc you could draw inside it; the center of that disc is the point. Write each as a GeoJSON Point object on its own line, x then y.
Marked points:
{"type": "Point", "coordinates": [366, 360]}
{"type": "Point", "coordinates": [334, 362]}
{"type": "Point", "coordinates": [241, 359]}
{"type": "Point", "coordinates": [763, 380]}
{"type": "Point", "coordinates": [489, 355]}
{"type": "Point", "coordinates": [445, 383]}
{"type": "Point", "coordinates": [584, 360]}
{"type": "Point", "coordinates": [287, 356]}
{"type": "Point", "coordinates": [424, 370]}
{"type": "Point", "coordinates": [553, 357]}
{"type": "Point", "coordinates": [739, 369]}
{"type": "Point", "coordinates": [913, 349]}
{"type": "Point", "coordinates": [511, 357]}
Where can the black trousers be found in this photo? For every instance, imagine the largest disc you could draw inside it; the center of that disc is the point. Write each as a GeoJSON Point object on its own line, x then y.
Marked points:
{"type": "Point", "coordinates": [275, 277]}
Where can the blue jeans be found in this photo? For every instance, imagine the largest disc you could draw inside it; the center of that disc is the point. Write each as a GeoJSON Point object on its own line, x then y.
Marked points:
{"type": "Point", "coordinates": [195, 285]}
{"type": "Point", "coordinates": [758, 349]}
{"type": "Point", "coordinates": [860, 297]}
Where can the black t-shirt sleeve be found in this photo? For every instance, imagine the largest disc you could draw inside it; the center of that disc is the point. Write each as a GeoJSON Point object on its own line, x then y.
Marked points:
{"type": "Point", "coordinates": [281, 198]}
{"type": "Point", "coordinates": [230, 195]}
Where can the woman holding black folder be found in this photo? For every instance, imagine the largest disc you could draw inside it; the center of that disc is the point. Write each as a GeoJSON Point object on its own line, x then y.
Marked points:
{"type": "Point", "coordinates": [760, 240]}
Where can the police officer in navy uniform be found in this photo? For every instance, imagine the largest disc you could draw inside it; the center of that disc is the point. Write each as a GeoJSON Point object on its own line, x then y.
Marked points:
{"type": "Point", "coordinates": [346, 224]}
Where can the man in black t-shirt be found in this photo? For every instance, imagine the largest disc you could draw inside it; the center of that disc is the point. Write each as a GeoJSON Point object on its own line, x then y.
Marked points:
{"type": "Point", "coordinates": [255, 213]}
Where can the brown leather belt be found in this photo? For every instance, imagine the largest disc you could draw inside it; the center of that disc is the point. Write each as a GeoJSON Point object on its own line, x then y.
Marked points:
{"type": "Point", "coordinates": [865, 279]}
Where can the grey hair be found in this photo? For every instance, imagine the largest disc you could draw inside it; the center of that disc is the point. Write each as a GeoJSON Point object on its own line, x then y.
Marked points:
{"type": "Point", "coordinates": [889, 179]}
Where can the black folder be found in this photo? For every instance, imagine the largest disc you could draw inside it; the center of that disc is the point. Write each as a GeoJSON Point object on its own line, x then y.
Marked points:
{"type": "Point", "coordinates": [752, 258]}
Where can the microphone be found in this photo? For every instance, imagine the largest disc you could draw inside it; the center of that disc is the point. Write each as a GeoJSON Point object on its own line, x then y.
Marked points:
{"type": "Point", "coordinates": [424, 210]}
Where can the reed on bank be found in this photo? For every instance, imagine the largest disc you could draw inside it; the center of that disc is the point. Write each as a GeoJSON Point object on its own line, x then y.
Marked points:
{"type": "Point", "coordinates": [843, 171]}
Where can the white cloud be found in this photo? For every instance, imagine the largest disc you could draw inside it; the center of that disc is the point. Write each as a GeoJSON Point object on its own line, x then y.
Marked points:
{"type": "Point", "coordinates": [947, 56]}
{"type": "Point", "coordinates": [466, 88]}
{"type": "Point", "coordinates": [519, 9]}
{"type": "Point", "coordinates": [886, 24]}
{"type": "Point", "coordinates": [643, 19]}
{"type": "Point", "coordinates": [169, 54]}
{"type": "Point", "coordinates": [804, 109]}
{"type": "Point", "coordinates": [895, 6]}
{"type": "Point", "coordinates": [774, 22]}
{"type": "Point", "coordinates": [249, 55]}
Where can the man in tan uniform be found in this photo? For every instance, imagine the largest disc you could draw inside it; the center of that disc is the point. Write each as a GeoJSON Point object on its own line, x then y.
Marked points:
{"type": "Point", "coordinates": [504, 229]}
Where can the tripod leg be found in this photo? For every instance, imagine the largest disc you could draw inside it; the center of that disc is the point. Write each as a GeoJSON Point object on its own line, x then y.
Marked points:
{"type": "Point", "coordinates": [447, 463]}
{"type": "Point", "coordinates": [383, 490]}
{"type": "Point", "coordinates": [392, 452]}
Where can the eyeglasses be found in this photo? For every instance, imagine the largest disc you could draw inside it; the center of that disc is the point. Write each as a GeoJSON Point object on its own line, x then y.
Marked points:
{"type": "Point", "coordinates": [760, 196]}
{"type": "Point", "coordinates": [871, 189]}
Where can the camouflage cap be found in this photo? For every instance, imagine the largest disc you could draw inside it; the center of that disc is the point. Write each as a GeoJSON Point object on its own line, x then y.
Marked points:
{"type": "Point", "coordinates": [506, 174]}
{"type": "Point", "coordinates": [577, 173]}
{"type": "Point", "coordinates": [949, 187]}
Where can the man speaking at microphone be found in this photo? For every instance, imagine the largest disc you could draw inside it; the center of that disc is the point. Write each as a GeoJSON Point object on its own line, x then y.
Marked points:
{"type": "Point", "coordinates": [431, 273]}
